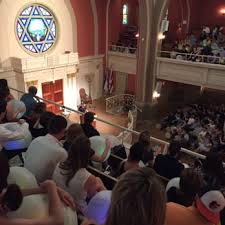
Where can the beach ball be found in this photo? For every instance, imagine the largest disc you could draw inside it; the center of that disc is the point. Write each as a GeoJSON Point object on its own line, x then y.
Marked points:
{"type": "Point", "coordinates": [37, 207]}
{"type": "Point", "coordinates": [98, 207]}
{"type": "Point", "coordinates": [113, 140]}
{"type": "Point", "coordinates": [98, 144]}
{"type": "Point", "coordinates": [22, 177]}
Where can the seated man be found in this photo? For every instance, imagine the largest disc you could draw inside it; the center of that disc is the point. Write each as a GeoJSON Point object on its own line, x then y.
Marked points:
{"type": "Point", "coordinates": [87, 126]}
{"type": "Point", "coordinates": [45, 152]}
{"type": "Point", "coordinates": [168, 165]}
{"type": "Point", "coordinates": [7, 134]}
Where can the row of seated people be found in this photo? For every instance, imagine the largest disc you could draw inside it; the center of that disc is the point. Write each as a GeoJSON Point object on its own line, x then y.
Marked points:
{"type": "Point", "coordinates": [209, 43]}
{"type": "Point", "coordinates": [197, 127]}
{"type": "Point", "coordinates": [138, 189]}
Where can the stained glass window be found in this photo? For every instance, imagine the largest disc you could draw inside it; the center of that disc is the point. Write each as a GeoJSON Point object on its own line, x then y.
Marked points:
{"type": "Point", "coordinates": [125, 14]}
{"type": "Point", "coordinates": [36, 29]}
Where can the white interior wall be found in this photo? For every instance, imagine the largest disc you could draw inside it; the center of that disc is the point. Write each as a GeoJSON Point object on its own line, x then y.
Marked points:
{"type": "Point", "coordinates": [67, 38]}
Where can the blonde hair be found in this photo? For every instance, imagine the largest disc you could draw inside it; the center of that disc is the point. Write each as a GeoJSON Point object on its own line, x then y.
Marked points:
{"type": "Point", "coordinates": [138, 198]}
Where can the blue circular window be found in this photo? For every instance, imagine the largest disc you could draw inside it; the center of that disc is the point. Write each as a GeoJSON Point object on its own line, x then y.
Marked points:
{"type": "Point", "coordinates": [36, 29]}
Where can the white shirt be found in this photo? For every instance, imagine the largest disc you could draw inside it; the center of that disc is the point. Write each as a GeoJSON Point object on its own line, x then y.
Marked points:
{"type": "Point", "coordinates": [75, 187]}
{"type": "Point", "coordinates": [13, 131]}
{"type": "Point", "coordinates": [43, 155]}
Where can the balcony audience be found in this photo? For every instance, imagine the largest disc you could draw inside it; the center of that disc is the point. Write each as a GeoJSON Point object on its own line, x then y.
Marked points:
{"type": "Point", "coordinates": [72, 174]}
{"type": "Point", "coordinates": [197, 127]}
{"type": "Point", "coordinates": [30, 100]}
{"type": "Point", "coordinates": [168, 165]}
{"type": "Point", "coordinates": [88, 127]}
{"type": "Point", "coordinates": [207, 47]}
{"type": "Point", "coordinates": [45, 152]}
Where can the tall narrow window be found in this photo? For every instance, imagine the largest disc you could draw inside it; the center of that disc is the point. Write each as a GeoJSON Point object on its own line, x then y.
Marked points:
{"type": "Point", "coordinates": [125, 14]}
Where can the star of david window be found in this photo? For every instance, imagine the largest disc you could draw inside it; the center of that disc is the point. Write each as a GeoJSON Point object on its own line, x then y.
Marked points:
{"type": "Point", "coordinates": [36, 29]}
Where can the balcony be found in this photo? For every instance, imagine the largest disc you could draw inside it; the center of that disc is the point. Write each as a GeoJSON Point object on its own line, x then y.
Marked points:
{"type": "Point", "coordinates": [122, 59]}
{"type": "Point", "coordinates": [208, 71]}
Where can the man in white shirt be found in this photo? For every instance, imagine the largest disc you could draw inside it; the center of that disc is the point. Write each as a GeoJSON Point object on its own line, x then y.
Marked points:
{"type": "Point", "coordinates": [45, 152]}
{"type": "Point", "coordinates": [6, 133]}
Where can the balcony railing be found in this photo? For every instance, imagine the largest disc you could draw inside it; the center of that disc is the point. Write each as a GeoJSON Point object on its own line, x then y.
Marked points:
{"type": "Point", "coordinates": [193, 57]}
{"type": "Point", "coordinates": [122, 49]}
{"type": "Point", "coordinates": [125, 130]}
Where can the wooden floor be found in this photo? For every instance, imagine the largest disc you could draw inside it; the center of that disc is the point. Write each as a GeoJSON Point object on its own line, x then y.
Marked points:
{"type": "Point", "coordinates": [100, 110]}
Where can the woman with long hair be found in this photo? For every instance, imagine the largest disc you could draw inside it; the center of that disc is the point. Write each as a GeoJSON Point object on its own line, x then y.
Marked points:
{"type": "Point", "coordinates": [72, 175]}
{"type": "Point", "coordinates": [138, 198]}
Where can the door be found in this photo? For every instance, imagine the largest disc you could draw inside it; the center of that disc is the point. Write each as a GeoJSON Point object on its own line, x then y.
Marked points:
{"type": "Point", "coordinates": [53, 91]}
{"type": "Point", "coordinates": [121, 83]}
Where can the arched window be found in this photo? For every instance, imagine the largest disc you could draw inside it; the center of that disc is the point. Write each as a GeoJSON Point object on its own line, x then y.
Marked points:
{"type": "Point", "coordinates": [36, 29]}
{"type": "Point", "coordinates": [125, 14]}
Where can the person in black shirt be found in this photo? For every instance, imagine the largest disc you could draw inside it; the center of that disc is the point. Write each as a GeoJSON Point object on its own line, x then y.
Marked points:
{"type": "Point", "coordinates": [87, 126]}
{"type": "Point", "coordinates": [168, 165]}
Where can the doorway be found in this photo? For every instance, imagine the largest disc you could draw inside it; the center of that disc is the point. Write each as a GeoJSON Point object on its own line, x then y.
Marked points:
{"type": "Point", "coordinates": [53, 91]}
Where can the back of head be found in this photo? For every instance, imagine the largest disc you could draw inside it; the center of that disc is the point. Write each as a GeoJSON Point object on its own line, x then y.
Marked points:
{"type": "Point", "coordinates": [78, 157]}
{"type": "Point", "coordinates": [45, 118]}
{"type": "Point", "coordinates": [213, 164]}
{"type": "Point", "coordinates": [137, 198]}
{"type": "Point", "coordinates": [3, 105]}
{"type": "Point", "coordinates": [56, 125]}
{"type": "Point", "coordinates": [190, 182]}
{"type": "Point", "coordinates": [4, 171]}
{"type": "Point", "coordinates": [32, 90]}
{"type": "Point", "coordinates": [89, 117]}
{"type": "Point", "coordinates": [144, 137]}
{"type": "Point", "coordinates": [174, 148]}
{"type": "Point", "coordinates": [3, 84]}
{"type": "Point", "coordinates": [136, 152]}
{"type": "Point", "coordinates": [15, 110]}
{"type": "Point", "coordinates": [40, 108]}
{"type": "Point", "coordinates": [74, 131]}
{"type": "Point", "coordinates": [12, 198]}
{"type": "Point", "coordinates": [4, 93]}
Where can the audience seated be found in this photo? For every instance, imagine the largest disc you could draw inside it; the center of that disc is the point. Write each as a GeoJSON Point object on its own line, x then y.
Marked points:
{"type": "Point", "coordinates": [87, 126]}
{"type": "Point", "coordinates": [168, 165]}
{"type": "Point", "coordinates": [210, 43]}
{"type": "Point", "coordinates": [30, 100]}
{"type": "Point", "coordinates": [197, 127]}
{"type": "Point", "coordinates": [138, 198]}
{"type": "Point", "coordinates": [204, 211]}
{"type": "Point", "coordinates": [190, 184]}
{"type": "Point", "coordinates": [45, 152]}
{"type": "Point", "coordinates": [72, 175]}
{"type": "Point", "coordinates": [76, 130]}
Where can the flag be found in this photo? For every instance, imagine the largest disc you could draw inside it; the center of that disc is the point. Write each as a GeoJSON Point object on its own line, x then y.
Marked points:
{"type": "Point", "coordinates": [109, 81]}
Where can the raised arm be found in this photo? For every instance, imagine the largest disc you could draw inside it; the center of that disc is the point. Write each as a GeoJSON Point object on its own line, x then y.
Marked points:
{"type": "Point", "coordinates": [56, 212]}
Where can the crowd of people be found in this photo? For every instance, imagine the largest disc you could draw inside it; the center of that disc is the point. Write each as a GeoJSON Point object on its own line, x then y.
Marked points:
{"type": "Point", "coordinates": [207, 47]}
{"type": "Point", "coordinates": [59, 153]}
{"type": "Point", "coordinates": [197, 127]}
